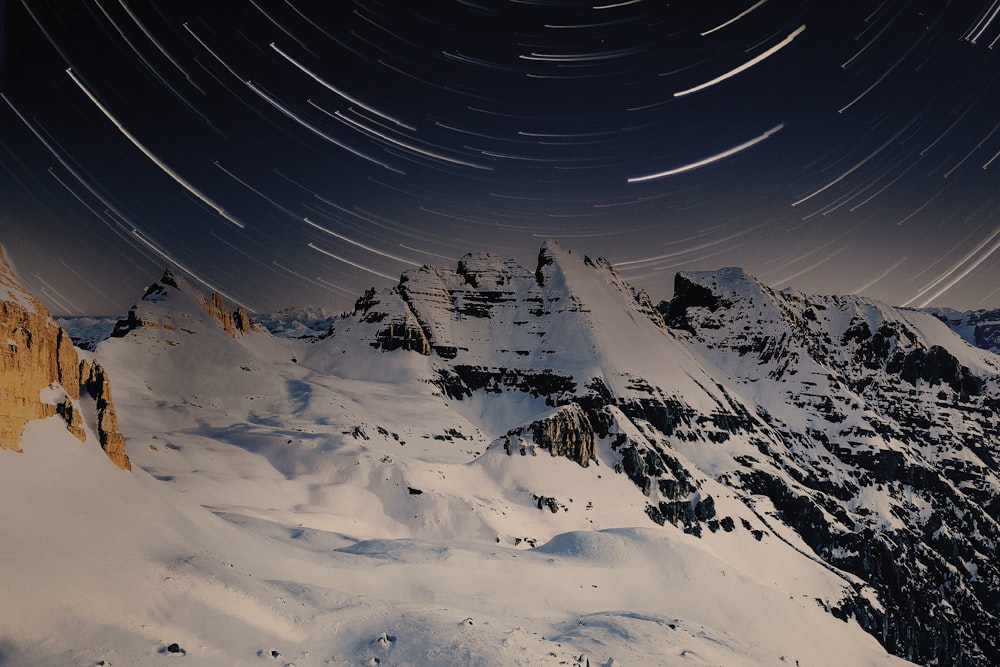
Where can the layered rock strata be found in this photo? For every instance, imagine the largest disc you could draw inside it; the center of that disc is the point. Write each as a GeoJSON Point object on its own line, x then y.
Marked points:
{"type": "Point", "coordinates": [41, 374]}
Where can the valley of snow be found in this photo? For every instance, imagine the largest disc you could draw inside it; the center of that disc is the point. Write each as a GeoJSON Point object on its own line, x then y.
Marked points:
{"type": "Point", "coordinates": [325, 501]}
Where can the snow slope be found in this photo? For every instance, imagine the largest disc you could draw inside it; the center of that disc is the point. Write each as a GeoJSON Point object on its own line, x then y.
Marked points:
{"type": "Point", "coordinates": [401, 490]}
{"type": "Point", "coordinates": [103, 565]}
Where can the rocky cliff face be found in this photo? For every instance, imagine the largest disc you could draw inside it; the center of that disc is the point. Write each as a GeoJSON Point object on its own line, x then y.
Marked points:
{"type": "Point", "coordinates": [235, 323]}
{"type": "Point", "coordinates": [566, 433]}
{"type": "Point", "coordinates": [886, 462]}
{"type": "Point", "coordinates": [95, 380]}
{"type": "Point", "coordinates": [41, 374]}
{"type": "Point", "coordinates": [978, 327]}
{"type": "Point", "coordinates": [867, 430]}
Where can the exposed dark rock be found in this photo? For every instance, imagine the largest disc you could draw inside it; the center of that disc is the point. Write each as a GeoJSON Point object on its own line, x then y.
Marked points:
{"type": "Point", "coordinates": [461, 380]}
{"type": "Point", "coordinates": [545, 259]}
{"type": "Point", "coordinates": [566, 433]}
{"type": "Point", "coordinates": [402, 335]}
{"type": "Point", "coordinates": [984, 326]}
{"type": "Point", "coordinates": [688, 294]}
{"type": "Point", "coordinates": [548, 502]}
{"type": "Point", "coordinates": [366, 302]}
{"type": "Point", "coordinates": [891, 416]}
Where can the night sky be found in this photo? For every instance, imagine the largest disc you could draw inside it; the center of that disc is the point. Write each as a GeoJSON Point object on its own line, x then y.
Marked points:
{"type": "Point", "coordinates": [295, 152]}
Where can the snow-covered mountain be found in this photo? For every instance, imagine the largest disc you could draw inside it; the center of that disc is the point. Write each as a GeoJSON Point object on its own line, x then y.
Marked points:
{"type": "Point", "coordinates": [496, 465]}
{"type": "Point", "coordinates": [978, 327]}
{"type": "Point", "coordinates": [886, 459]}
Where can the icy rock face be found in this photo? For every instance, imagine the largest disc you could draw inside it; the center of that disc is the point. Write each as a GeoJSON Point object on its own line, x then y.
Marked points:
{"type": "Point", "coordinates": [574, 336]}
{"type": "Point", "coordinates": [887, 459]}
{"type": "Point", "coordinates": [95, 380]}
{"type": "Point", "coordinates": [41, 374]}
{"type": "Point", "coordinates": [978, 327]}
{"type": "Point", "coordinates": [566, 433]}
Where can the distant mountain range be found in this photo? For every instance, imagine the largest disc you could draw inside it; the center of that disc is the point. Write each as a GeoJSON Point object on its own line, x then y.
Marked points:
{"type": "Point", "coordinates": [978, 327]}
{"type": "Point", "coordinates": [819, 464]}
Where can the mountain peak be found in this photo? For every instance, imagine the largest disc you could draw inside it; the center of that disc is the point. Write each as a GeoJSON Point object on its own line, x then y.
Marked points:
{"type": "Point", "coordinates": [171, 298]}
{"type": "Point", "coordinates": [730, 283]}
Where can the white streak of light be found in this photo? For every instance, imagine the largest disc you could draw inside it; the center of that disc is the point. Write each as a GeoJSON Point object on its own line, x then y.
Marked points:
{"type": "Point", "coordinates": [702, 246]}
{"type": "Point", "coordinates": [396, 142]}
{"type": "Point", "coordinates": [155, 160]}
{"type": "Point", "coordinates": [425, 252]}
{"type": "Point", "coordinates": [351, 294]}
{"type": "Point", "coordinates": [984, 23]}
{"type": "Point", "coordinates": [315, 130]}
{"type": "Point", "coordinates": [110, 222]}
{"type": "Point", "coordinates": [858, 165]}
{"type": "Point", "coordinates": [862, 288]}
{"type": "Point", "coordinates": [62, 297]}
{"type": "Point", "coordinates": [734, 19]}
{"type": "Point", "coordinates": [885, 26]}
{"type": "Point", "coordinates": [990, 161]}
{"type": "Point", "coordinates": [313, 23]}
{"type": "Point", "coordinates": [809, 268]}
{"type": "Point", "coordinates": [747, 65]}
{"type": "Point", "coordinates": [879, 80]}
{"type": "Point", "coordinates": [885, 187]}
{"type": "Point", "coordinates": [974, 149]}
{"type": "Point", "coordinates": [209, 49]}
{"type": "Point", "coordinates": [65, 164]}
{"type": "Point", "coordinates": [155, 72]}
{"type": "Point", "coordinates": [257, 192]}
{"type": "Point", "coordinates": [339, 92]}
{"type": "Point", "coordinates": [988, 296]}
{"type": "Point", "coordinates": [924, 205]}
{"type": "Point", "coordinates": [319, 282]}
{"type": "Point", "coordinates": [93, 288]}
{"type": "Point", "coordinates": [617, 4]}
{"type": "Point", "coordinates": [359, 245]}
{"type": "Point", "coordinates": [283, 29]}
{"type": "Point", "coordinates": [159, 46]}
{"type": "Point", "coordinates": [709, 160]}
{"type": "Point", "coordinates": [961, 275]}
{"type": "Point", "coordinates": [347, 261]}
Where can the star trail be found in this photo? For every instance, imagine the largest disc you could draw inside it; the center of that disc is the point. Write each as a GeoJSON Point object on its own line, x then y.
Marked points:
{"type": "Point", "coordinates": [286, 152]}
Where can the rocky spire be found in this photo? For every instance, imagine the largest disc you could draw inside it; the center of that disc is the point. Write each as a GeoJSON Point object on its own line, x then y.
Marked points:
{"type": "Point", "coordinates": [235, 323]}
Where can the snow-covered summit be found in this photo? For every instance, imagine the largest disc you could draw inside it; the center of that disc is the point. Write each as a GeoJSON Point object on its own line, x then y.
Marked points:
{"type": "Point", "coordinates": [171, 297]}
